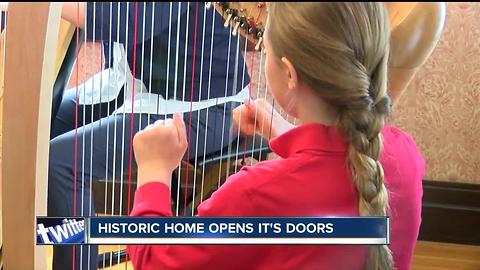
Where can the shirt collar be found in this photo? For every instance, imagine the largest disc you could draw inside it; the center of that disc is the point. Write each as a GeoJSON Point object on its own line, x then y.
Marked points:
{"type": "Point", "coordinates": [316, 137]}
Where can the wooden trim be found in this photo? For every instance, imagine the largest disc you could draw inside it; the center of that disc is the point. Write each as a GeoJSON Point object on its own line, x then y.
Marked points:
{"type": "Point", "coordinates": [450, 213]}
{"type": "Point", "coordinates": [32, 32]}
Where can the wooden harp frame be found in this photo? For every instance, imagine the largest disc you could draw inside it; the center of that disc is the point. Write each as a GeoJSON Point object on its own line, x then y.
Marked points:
{"type": "Point", "coordinates": [29, 76]}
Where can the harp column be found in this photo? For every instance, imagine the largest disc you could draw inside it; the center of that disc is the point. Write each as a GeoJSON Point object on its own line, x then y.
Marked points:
{"type": "Point", "coordinates": [32, 32]}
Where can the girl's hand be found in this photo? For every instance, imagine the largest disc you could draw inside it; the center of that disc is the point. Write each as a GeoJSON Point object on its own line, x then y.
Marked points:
{"type": "Point", "coordinates": [159, 149]}
{"type": "Point", "coordinates": [256, 117]}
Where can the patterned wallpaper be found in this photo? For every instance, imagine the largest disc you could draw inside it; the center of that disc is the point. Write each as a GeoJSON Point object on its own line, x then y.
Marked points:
{"type": "Point", "coordinates": [89, 63]}
{"type": "Point", "coordinates": [441, 107]}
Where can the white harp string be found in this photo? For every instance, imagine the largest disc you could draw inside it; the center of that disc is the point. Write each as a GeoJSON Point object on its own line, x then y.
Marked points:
{"type": "Point", "coordinates": [263, 126]}
{"type": "Point", "coordinates": [230, 134]}
{"type": "Point", "coordinates": [151, 58]}
{"type": "Point", "coordinates": [198, 112]}
{"type": "Point", "coordinates": [83, 145]}
{"type": "Point", "coordinates": [208, 97]}
{"type": "Point", "coordinates": [245, 68]}
{"type": "Point", "coordinates": [122, 166]}
{"type": "Point", "coordinates": [143, 62]}
{"type": "Point", "coordinates": [108, 112]}
{"type": "Point", "coordinates": [175, 88]}
{"type": "Point", "coordinates": [258, 94]}
{"type": "Point", "coordinates": [226, 91]}
{"type": "Point", "coordinates": [91, 132]}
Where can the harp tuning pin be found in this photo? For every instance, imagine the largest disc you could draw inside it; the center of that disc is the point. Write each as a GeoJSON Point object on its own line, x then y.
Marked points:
{"type": "Point", "coordinates": [244, 23]}
{"type": "Point", "coordinates": [237, 24]}
{"type": "Point", "coordinates": [229, 18]}
{"type": "Point", "coordinates": [259, 44]}
{"type": "Point", "coordinates": [260, 40]}
{"type": "Point", "coordinates": [208, 5]}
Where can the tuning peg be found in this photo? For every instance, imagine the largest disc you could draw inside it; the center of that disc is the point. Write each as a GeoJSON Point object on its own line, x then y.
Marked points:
{"type": "Point", "coordinates": [259, 44]}
{"type": "Point", "coordinates": [260, 40]}
{"type": "Point", "coordinates": [208, 5]}
{"type": "Point", "coordinates": [237, 24]}
{"type": "Point", "coordinates": [229, 18]}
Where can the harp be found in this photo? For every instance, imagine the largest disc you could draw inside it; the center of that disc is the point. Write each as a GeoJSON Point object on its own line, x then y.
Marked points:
{"type": "Point", "coordinates": [29, 79]}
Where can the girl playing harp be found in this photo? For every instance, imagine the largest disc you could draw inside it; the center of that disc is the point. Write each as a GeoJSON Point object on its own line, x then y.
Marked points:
{"type": "Point", "coordinates": [327, 66]}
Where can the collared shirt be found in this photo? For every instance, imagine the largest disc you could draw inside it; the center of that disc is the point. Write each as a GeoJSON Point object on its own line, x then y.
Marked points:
{"type": "Point", "coordinates": [310, 178]}
{"type": "Point", "coordinates": [219, 67]}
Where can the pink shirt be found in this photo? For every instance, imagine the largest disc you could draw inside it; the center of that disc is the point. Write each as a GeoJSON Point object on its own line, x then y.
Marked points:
{"type": "Point", "coordinates": [404, 168]}
{"type": "Point", "coordinates": [311, 178]}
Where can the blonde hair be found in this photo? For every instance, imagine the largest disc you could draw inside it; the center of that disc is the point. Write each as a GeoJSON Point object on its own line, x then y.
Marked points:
{"type": "Point", "coordinates": [341, 51]}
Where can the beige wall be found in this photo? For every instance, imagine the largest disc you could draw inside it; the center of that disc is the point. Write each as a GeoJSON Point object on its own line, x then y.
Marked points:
{"type": "Point", "coordinates": [441, 107]}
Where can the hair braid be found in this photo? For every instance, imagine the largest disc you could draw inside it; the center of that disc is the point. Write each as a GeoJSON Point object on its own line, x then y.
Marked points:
{"type": "Point", "coordinates": [341, 51]}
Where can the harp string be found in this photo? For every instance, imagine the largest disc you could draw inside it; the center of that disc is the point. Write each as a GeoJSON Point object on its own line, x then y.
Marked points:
{"type": "Point", "coordinates": [240, 117]}
{"type": "Point", "coordinates": [115, 127]}
{"type": "Point", "coordinates": [124, 110]}
{"type": "Point", "coordinates": [134, 69]}
{"type": "Point", "coordinates": [143, 61]}
{"type": "Point", "coordinates": [177, 53]}
{"type": "Point", "coordinates": [83, 146]}
{"type": "Point", "coordinates": [176, 80]}
{"type": "Point", "coordinates": [168, 54]}
{"type": "Point", "coordinates": [208, 97]}
{"type": "Point", "coordinates": [108, 111]}
{"type": "Point", "coordinates": [198, 112]}
{"type": "Point", "coordinates": [75, 161]}
{"type": "Point", "coordinates": [226, 89]}
{"type": "Point", "coordinates": [133, 99]}
{"type": "Point", "coordinates": [151, 59]}
{"type": "Point", "coordinates": [187, 26]}
{"type": "Point", "coordinates": [114, 154]}
{"type": "Point", "coordinates": [127, 18]}
{"type": "Point", "coordinates": [258, 93]}
{"type": "Point", "coordinates": [194, 49]}
{"type": "Point", "coordinates": [108, 126]}
{"type": "Point", "coordinates": [91, 136]}
{"type": "Point", "coordinates": [252, 68]}
{"type": "Point", "coordinates": [235, 79]}
{"type": "Point", "coordinates": [263, 126]}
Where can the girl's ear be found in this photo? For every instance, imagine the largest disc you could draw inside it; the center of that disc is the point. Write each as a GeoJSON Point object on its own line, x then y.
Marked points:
{"type": "Point", "coordinates": [292, 76]}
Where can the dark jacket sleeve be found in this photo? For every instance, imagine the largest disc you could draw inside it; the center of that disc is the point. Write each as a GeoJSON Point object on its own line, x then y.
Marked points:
{"type": "Point", "coordinates": [115, 21]}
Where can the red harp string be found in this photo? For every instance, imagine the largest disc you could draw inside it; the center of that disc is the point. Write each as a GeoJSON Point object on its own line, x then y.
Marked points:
{"type": "Point", "coordinates": [133, 99]}
{"type": "Point", "coordinates": [75, 150]}
{"type": "Point", "coordinates": [191, 104]}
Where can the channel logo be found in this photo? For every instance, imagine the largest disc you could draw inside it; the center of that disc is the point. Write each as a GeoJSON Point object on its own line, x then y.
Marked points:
{"type": "Point", "coordinates": [64, 230]}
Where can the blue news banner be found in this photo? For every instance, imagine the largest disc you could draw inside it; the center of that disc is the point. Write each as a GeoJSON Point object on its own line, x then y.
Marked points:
{"type": "Point", "coordinates": [213, 230]}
